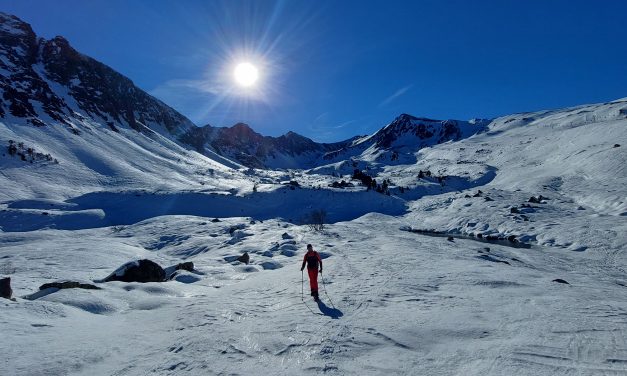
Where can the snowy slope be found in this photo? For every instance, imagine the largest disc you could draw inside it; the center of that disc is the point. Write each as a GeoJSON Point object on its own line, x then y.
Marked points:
{"type": "Point", "coordinates": [576, 158]}
{"type": "Point", "coordinates": [396, 303]}
{"type": "Point", "coordinates": [76, 126]}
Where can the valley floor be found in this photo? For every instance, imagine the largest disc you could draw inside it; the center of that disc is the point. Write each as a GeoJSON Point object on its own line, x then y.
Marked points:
{"type": "Point", "coordinates": [397, 303]}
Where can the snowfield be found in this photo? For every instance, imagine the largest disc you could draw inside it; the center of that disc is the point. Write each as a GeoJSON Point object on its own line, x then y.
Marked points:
{"type": "Point", "coordinates": [396, 300]}
{"type": "Point", "coordinates": [397, 303]}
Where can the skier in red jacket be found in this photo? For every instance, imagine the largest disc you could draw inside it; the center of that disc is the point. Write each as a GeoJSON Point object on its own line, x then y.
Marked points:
{"type": "Point", "coordinates": [312, 259]}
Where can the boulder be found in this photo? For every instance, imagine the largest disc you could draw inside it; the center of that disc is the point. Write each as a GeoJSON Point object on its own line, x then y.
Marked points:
{"type": "Point", "coordinates": [514, 210]}
{"type": "Point", "coordinates": [287, 236]}
{"type": "Point", "coordinates": [189, 266]}
{"type": "Point", "coordinates": [215, 220]}
{"type": "Point", "coordinates": [245, 258]}
{"type": "Point", "coordinates": [537, 200]}
{"type": "Point", "coordinates": [138, 271]}
{"type": "Point", "coordinates": [5, 288]}
{"type": "Point", "coordinates": [68, 285]}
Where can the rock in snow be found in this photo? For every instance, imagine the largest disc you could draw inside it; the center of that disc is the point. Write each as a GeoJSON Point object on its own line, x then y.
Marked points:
{"type": "Point", "coordinates": [5, 288]}
{"type": "Point", "coordinates": [68, 285]}
{"type": "Point", "coordinates": [559, 280]}
{"type": "Point", "coordinates": [138, 271]}
{"type": "Point", "coordinates": [245, 258]}
{"type": "Point", "coordinates": [189, 266]}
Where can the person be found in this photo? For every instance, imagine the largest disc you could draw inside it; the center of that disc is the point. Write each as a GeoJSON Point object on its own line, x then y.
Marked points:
{"type": "Point", "coordinates": [313, 260]}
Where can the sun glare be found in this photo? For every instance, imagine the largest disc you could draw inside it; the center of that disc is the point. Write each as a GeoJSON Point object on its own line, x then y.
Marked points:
{"type": "Point", "coordinates": [246, 74]}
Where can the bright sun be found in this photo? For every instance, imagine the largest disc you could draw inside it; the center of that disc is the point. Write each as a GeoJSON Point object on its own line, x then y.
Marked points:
{"type": "Point", "coordinates": [246, 74]}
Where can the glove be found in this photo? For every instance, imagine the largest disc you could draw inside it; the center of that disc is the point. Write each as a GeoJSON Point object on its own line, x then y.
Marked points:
{"type": "Point", "coordinates": [301, 269]}
{"type": "Point", "coordinates": [320, 270]}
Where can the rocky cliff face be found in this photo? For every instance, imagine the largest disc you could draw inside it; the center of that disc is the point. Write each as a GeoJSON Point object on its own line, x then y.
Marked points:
{"type": "Point", "coordinates": [251, 149]}
{"type": "Point", "coordinates": [45, 82]}
{"type": "Point", "coordinates": [410, 134]}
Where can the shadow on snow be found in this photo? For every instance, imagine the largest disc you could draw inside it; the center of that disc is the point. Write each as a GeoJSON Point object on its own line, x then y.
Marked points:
{"type": "Point", "coordinates": [333, 313]}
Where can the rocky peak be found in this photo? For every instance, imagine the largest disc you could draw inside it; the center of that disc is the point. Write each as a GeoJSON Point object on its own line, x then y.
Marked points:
{"type": "Point", "coordinates": [29, 65]}
{"type": "Point", "coordinates": [241, 133]}
{"type": "Point", "coordinates": [11, 25]}
{"type": "Point", "coordinates": [411, 129]}
{"type": "Point", "coordinates": [18, 42]}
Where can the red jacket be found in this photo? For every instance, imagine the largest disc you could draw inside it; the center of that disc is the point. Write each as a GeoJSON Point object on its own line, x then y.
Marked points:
{"type": "Point", "coordinates": [312, 259]}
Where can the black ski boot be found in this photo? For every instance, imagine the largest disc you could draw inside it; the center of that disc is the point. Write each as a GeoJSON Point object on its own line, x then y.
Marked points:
{"type": "Point", "coordinates": [315, 296]}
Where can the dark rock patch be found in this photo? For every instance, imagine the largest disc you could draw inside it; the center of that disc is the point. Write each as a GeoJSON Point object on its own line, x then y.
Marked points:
{"type": "Point", "coordinates": [5, 288]}
{"type": "Point", "coordinates": [138, 271]}
{"type": "Point", "coordinates": [559, 280]}
{"type": "Point", "coordinates": [537, 200]}
{"type": "Point", "coordinates": [189, 266]}
{"type": "Point", "coordinates": [245, 258]}
{"type": "Point", "coordinates": [68, 285]}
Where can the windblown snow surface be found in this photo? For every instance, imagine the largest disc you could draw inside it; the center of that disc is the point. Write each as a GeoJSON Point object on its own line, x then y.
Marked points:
{"type": "Point", "coordinates": [395, 301]}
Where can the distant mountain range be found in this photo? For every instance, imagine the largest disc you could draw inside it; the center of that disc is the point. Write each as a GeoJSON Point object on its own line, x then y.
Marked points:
{"type": "Point", "coordinates": [47, 83]}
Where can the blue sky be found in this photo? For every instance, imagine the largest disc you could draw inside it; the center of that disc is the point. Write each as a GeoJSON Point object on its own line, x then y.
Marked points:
{"type": "Point", "coordinates": [333, 69]}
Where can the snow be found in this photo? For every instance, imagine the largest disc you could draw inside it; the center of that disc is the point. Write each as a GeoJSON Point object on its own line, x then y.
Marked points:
{"type": "Point", "coordinates": [404, 303]}
{"type": "Point", "coordinates": [393, 301]}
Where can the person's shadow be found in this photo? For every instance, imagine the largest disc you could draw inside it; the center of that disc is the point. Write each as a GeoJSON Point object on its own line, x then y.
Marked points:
{"type": "Point", "coordinates": [333, 313]}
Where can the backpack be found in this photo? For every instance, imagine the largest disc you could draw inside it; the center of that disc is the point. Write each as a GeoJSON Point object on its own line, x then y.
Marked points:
{"type": "Point", "coordinates": [312, 260]}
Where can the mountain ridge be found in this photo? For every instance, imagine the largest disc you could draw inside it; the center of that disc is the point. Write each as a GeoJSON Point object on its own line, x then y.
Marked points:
{"type": "Point", "coordinates": [48, 81]}
{"type": "Point", "coordinates": [44, 82]}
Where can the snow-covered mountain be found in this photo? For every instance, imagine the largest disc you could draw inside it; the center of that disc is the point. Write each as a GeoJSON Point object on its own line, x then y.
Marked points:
{"type": "Point", "coordinates": [66, 117]}
{"type": "Point", "coordinates": [47, 81]}
{"type": "Point", "coordinates": [405, 134]}
{"type": "Point", "coordinates": [244, 145]}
